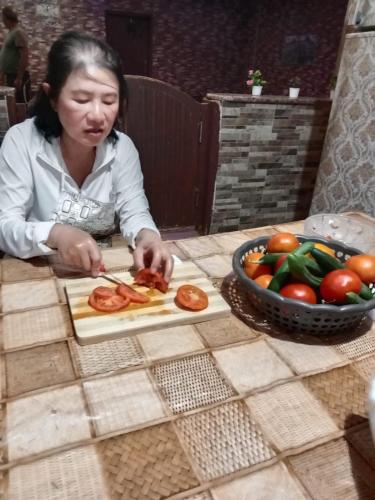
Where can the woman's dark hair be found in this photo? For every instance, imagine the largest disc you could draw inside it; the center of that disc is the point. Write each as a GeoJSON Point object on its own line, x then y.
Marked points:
{"type": "Point", "coordinates": [70, 52]}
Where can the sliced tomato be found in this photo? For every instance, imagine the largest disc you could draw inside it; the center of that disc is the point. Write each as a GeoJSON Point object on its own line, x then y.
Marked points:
{"type": "Point", "coordinates": [108, 304]}
{"type": "Point", "coordinates": [128, 292]}
{"type": "Point", "coordinates": [152, 280]}
{"type": "Point", "coordinates": [103, 292]}
{"type": "Point", "coordinates": [191, 297]}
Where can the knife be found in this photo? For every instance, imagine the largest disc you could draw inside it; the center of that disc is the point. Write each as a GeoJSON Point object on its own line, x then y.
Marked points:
{"type": "Point", "coordinates": [103, 274]}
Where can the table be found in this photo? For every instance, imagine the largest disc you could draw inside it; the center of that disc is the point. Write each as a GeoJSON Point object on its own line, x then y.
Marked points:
{"type": "Point", "coordinates": [221, 410]}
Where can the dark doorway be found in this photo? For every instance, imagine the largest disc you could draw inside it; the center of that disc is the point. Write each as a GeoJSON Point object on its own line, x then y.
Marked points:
{"type": "Point", "coordinates": [130, 36]}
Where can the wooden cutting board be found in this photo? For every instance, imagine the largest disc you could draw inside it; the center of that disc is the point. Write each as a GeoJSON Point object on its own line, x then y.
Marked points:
{"type": "Point", "coordinates": [93, 326]}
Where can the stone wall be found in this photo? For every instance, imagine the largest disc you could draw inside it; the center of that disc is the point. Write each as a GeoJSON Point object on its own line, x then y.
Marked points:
{"type": "Point", "coordinates": [269, 154]}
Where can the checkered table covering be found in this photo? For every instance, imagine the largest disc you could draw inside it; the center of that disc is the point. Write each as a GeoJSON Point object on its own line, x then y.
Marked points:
{"type": "Point", "coordinates": [221, 410]}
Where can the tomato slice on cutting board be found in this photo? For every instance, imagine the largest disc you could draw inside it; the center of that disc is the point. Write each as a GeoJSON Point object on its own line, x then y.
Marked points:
{"type": "Point", "coordinates": [103, 292]}
{"type": "Point", "coordinates": [152, 280]}
{"type": "Point", "coordinates": [128, 292]}
{"type": "Point", "coordinates": [109, 303]}
{"type": "Point", "coordinates": [191, 297]}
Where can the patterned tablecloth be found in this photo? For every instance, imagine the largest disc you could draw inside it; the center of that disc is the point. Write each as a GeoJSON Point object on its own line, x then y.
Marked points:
{"type": "Point", "coordinates": [228, 409]}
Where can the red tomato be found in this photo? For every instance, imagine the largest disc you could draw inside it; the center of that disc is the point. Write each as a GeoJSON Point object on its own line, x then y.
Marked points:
{"type": "Point", "coordinates": [279, 261]}
{"type": "Point", "coordinates": [337, 283]}
{"type": "Point", "coordinates": [299, 291]}
{"type": "Point", "coordinates": [108, 304]}
{"type": "Point", "coordinates": [264, 280]}
{"type": "Point", "coordinates": [103, 292]}
{"type": "Point", "coordinates": [128, 292]}
{"type": "Point", "coordinates": [191, 297]}
{"type": "Point", "coordinates": [282, 243]}
{"type": "Point", "coordinates": [364, 266]}
{"type": "Point", "coordinates": [152, 280]}
{"type": "Point", "coordinates": [252, 269]}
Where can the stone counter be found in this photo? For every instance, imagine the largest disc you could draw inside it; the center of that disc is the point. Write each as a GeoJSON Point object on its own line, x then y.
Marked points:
{"type": "Point", "coordinates": [269, 153]}
{"type": "Point", "coordinates": [267, 99]}
{"type": "Point", "coordinates": [5, 91]}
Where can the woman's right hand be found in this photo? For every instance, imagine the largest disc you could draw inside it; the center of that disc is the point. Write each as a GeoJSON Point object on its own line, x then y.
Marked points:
{"type": "Point", "coordinates": [75, 248]}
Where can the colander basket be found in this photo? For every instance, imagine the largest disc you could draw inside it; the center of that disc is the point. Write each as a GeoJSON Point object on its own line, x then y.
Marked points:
{"type": "Point", "coordinates": [321, 319]}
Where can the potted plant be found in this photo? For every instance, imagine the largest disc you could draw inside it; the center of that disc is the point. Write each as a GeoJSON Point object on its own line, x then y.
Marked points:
{"type": "Point", "coordinates": [294, 87]}
{"type": "Point", "coordinates": [255, 81]}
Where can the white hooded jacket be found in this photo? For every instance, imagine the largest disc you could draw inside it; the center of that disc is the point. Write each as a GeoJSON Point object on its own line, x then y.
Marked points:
{"type": "Point", "coordinates": [33, 175]}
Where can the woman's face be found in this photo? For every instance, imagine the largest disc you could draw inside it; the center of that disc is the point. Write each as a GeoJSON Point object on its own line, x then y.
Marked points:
{"type": "Point", "coordinates": [88, 105]}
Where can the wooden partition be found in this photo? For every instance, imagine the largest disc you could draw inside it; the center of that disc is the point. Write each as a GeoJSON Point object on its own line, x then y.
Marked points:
{"type": "Point", "coordinates": [177, 138]}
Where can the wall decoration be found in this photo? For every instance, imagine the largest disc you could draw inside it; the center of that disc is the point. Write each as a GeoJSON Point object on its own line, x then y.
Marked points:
{"type": "Point", "coordinates": [299, 50]}
{"type": "Point", "coordinates": [48, 9]}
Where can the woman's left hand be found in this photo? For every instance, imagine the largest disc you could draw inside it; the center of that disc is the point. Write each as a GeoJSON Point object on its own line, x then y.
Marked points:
{"type": "Point", "coordinates": [152, 252]}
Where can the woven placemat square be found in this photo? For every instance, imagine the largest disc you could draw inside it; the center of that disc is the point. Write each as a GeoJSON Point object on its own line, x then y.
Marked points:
{"type": "Point", "coordinates": [74, 474]}
{"type": "Point", "coordinates": [257, 233]}
{"type": "Point", "coordinates": [38, 367]}
{"type": "Point", "coordinates": [36, 326]}
{"type": "Point", "coordinates": [175, 250]}
{"type": "Point", "coordinates": [250, 366]}
{"type": "Point", "coordinates": [291, 227]}
{"type": "Point", "coordinates": [28, 294]}
{"type": "Point", "coordinates": [146, 464]}
{"type": "Point", "coordinates": [223, 439]}
{"type": "Point", "coordinates": [290, 416]}
{"type": "Point", "coordinates": [2, 433]}
{"type": "Point", "coordinates": [199, 247]}
{"type": "Point", "coordinates": [191, 382]}
{"type": "Point", "coordinates": [343, 392]}
{"type": "Point", "coordinates": [355, 345]}
{"type": "Point", "coordinates": [45, 421]}
{"type": "Point", "coordinates": [117, 258]}
{"type": "Point", "coordinates": [215, 266]}
{"type": "Point", "coordinates": [169, 342]}
{"type": "Point", "coordinates": [366, 368]}
{"type": "Point", "coordinates": [272, 483]}
{"type": "Point", "coordinates": [205, 495]}
{"type": "Point", "coordinates": [123, 401]}
{"type": "Point", "coordinates": [361, 439]}
{"type": "Point", "coordinates": [106, 356]}
{"type": "Point", "coordinates": [224, 331]}
{"type": "Point", "coordinates": [235, 293]}
{"type": "Point", "coordinates": [229, 242]}
{"type": "Point", "coordinates": [21, 270]}
{"type": "Point", "coordinates": [2, 377]}
{"type": "Point", "coordinates": [3, 481]}
{"type": "Point", "coordinates": [334, 470]}
{"type": "Point", "coordinates": [305, 357]}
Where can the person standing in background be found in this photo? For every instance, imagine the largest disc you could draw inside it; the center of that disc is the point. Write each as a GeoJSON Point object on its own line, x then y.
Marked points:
{"type": "Point", "coordinates": [14, 57]}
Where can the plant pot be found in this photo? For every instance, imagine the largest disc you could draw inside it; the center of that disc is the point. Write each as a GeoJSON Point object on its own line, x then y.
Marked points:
{"type": "Point", "coordinates": [256, 90]}
{"type": "Point", "coordinates": [293, 92]}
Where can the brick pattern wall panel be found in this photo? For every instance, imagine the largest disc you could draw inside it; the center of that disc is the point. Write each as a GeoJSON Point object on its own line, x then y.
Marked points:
{"type": "Point", "coordinates": [192, 41]}
{"type": "Point", "coordinates": [268, 160]}
{"type": "Point", "coordinates": [203, 45]}
{"type": "Point", "coordinates": [278, 19]}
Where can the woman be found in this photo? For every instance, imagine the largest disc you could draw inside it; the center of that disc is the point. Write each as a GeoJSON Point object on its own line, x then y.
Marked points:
{"type": "Point", "coordinates": [66, 174]}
